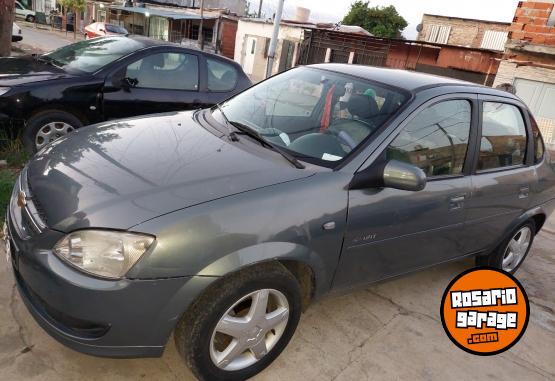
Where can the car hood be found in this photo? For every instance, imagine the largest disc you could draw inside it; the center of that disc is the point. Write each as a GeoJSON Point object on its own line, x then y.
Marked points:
{"type": "Point", "coordinates": [21, 70]}
{"type": "Point", "coordinates": [120, 174]}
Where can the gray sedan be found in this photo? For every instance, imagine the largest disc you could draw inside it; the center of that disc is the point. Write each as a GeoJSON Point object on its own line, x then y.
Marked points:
{"type": "Point", "coordinates": [222, 225]}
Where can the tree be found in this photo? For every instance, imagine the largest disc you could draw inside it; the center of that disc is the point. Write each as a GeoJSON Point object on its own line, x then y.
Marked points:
{"type": "Point", "coordinates": [77, 6]}
{"type": "Point", "coordinates": [380, 21]}
{"type": "Point", "coordinates": [6, 20]}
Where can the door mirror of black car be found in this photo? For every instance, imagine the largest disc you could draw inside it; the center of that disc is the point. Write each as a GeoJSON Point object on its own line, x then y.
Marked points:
{"type": "Point", "coordinates": [393, 174]}
{"type": "Point", "coordinates": [128, 82]}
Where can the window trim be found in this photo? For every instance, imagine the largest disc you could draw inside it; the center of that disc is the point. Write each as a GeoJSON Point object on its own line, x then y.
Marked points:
{"type": "Point", "coordinates": [199, 64]}
{"type": "Point", "coordinates": [528, 156]}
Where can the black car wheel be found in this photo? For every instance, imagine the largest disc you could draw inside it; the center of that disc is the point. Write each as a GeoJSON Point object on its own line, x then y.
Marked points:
{"type": "Point", "coordinates": [47, 126]}
{"type": "Point", "coordinates": [241, 324]}
{"type": "Point", "coordinates": [30, 18]}
{"type": "Point", "coordinates": [510, 254]}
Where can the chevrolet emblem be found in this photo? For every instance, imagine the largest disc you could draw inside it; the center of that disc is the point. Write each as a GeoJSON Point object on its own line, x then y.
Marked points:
{"type": "Point", "coordinates": [21, 199]}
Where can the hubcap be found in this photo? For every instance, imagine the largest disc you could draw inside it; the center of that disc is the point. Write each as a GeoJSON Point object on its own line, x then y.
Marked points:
{"type": "Point", "coordinates": [249, 329]}
{"type": "Point", "coordinates": [50, 132]}
{"type": "Point", "coordinates": [517, 248]}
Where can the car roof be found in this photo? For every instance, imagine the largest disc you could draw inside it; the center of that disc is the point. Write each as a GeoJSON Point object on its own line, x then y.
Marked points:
{"type": "Point", "coordinates": [407, 80]}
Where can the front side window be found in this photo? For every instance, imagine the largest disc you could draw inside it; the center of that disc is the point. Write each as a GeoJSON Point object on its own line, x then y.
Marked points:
{"type": "Point", "coordinates": [221, 75]}
{"type": "Point", "coordinates": [90, 55]}
{"type": "Point", "coordinates": [436, 140]}
{"type": "Point", "coordinates": [503, 141]}
{"type": "Point", "coordinates": [173, 71]}
{"type": "Point", "coordinates": [319, 116]}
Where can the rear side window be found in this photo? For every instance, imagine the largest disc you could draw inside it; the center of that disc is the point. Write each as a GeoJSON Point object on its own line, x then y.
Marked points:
{"type": "Point", "coordinates": [221, 75]}
{"type": "Point", "coordinates": [504, 139]}
{"type": "Point", "coordinates": [436, 140]}
{"type": "Point", "coordinates": [539, 148]}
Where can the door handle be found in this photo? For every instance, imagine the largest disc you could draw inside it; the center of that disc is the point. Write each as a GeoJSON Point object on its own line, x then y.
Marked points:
{"type": "Point", "coordinates": [457, 202]}
{"type": "Point", "coordinates": [524, 192]}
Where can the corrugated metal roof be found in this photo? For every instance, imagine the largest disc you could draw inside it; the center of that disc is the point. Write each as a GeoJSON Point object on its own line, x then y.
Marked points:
{"type": "Point", "coordinates": [161, 13]}
{"type": "Point", "coordinates": [494, 40]}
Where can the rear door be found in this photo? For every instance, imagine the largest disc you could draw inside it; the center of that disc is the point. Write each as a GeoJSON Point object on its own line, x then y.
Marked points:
{"type": "Point", "coordinates": [504, 173]}
{"type": "Point", "coordinates": [160, 81]}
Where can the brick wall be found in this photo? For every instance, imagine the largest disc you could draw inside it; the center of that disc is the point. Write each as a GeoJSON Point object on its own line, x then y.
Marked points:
{"type": "Point", "coordinates": [530, 23]}
{"type": "Point", "coordinates": [464, 32]}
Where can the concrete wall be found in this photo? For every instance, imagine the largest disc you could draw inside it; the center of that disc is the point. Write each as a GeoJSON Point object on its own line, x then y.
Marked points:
{"type": "Point", "coordinates": [464, 32]}
{"type": "Point", "coordinates": [263, 31]}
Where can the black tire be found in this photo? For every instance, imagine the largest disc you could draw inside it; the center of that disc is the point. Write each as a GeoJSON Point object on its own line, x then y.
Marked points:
{"type": "Point", "coordinates": [495, 258]}
{"type": "Point", "coordinates": [194, 331]}
{"type": "Point", "coordinates": [30, 18]}
{"type": "Point", "coordinates": [42, 118]}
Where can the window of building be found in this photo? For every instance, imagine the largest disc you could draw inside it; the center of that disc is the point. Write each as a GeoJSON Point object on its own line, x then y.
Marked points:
{"type": "Point", "coordinates": [221, 75]}
{"type": "Point", "coordinates": [175, 71]}
{"type": "Point", "coordinates": [494, 40]}
{"type": "Point", "coordinates": [436, 140]}
{"type": "Point", "coordinates": [438, 34]}
{"type": "Point", "coordinates": [158, 28]}
{"type": "Point", "coordinates": [503, 141]}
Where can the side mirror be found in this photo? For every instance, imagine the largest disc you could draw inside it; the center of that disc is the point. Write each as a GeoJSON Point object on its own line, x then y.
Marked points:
{"type": "Point", "coordinates": [404, 176]}
{"type": "Point", "coordinates": [393, 174]}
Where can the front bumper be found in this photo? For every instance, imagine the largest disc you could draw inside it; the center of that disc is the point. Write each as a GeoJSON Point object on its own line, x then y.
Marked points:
{"type": "Point", "coordinates": [109, 318]}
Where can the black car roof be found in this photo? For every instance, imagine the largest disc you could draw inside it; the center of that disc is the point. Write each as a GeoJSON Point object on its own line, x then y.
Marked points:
{"type": "Point", "coordinates": [407, 80]}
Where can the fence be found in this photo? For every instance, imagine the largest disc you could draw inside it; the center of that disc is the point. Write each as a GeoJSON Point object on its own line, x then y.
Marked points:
{"type": "Point", "coordinates": [330, 46]}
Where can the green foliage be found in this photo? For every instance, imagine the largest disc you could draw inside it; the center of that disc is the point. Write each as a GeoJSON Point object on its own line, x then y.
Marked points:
{"type": "Point", "coordinates": [75, 5]}
{"type": "Point", "coordinates": [14, 153]}
{"type": "Point", "coordinates": [7, 181]}
{"type": "Point", "coordinates": [380, 21]}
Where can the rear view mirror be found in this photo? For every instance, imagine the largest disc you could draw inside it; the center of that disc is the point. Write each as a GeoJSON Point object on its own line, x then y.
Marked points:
{"type": "Point", "coordinates": [394, 174]}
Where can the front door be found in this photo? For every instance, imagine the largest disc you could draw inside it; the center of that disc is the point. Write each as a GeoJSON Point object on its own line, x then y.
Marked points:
{"type": "Point", "coordinates": [250, 54]}
{"type": "Point", "coordinates": [390, 231]}
{"type": "Point", "coordinates": [159, 82]}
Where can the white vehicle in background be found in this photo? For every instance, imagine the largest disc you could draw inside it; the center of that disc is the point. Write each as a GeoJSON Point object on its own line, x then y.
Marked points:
{"type": "Point", "coordinates": [16, 33]}
{"type": "Point", "coordinates": [24, 13]}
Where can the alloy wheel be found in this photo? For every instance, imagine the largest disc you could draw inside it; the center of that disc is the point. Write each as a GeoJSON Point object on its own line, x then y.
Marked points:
{"type": "Point", "coordinates": [517, 249]}
{"type": "Point", "coordinates": [249, 329]}
{"type": "Point", "coordinates": [50, 132]}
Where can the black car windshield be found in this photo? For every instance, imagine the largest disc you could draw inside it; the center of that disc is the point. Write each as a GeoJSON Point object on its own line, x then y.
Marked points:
{"type": "Point", "coordinates": [90, 55]}
{"type": "Point", "coordinates": [116, 29]}
{"type": "Point", "coordinates": [317, 115]}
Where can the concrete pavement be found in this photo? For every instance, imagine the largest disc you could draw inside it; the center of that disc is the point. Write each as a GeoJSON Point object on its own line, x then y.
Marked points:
{"type": "Point", "coordinates": [391, 330]}
{"type": "Point", "coordinates": [41, 39]}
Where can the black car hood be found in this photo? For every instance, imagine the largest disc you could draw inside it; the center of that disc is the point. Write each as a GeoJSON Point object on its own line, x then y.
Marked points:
{"type": "Point", "coordinates": [120, 174]}
{"type": "Point", "coordinates": [16, 71]}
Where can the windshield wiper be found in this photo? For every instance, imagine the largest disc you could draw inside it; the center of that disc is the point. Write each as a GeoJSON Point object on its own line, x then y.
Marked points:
{"type": "Point", "coordinates": [246, 130]}
{"type": "Point", "coordinates": [49, 61]}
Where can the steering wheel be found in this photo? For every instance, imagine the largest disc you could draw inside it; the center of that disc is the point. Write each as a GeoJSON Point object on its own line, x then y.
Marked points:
{"type": "Point", "coordinates": [343, 137]}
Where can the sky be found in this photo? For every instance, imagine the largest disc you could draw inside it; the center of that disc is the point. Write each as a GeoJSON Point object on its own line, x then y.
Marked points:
{"type": "Point", "coordinates": [411, 10]}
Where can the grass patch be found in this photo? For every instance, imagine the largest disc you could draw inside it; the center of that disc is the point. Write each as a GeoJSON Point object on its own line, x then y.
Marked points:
{"type": "Point", "coordinates": [7, 181]}
{"type": "Point", "coordinates": [16, 157]}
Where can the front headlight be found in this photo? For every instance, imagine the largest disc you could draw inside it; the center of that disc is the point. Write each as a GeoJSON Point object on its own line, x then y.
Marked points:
{"type": "Point", "coordinates": [4, 90]}
{"type": "Point", "coordinates": [105, 253]}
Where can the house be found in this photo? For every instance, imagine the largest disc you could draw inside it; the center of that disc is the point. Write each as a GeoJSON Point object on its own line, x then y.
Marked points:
{"type": "Point", "coordinates": [470, 33]}
{"type": "Point", "coordinates": [529, 62]}
{"type": "Point", "coordinates": [253, 39]}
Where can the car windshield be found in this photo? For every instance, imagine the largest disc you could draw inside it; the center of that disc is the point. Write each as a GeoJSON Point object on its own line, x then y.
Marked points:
{"type": "Point", "coordinates": [317, 115]}
{"type": "Point", "coordinates": [116, 29]}
{"type": "Point", "coordinates": [90, 55]}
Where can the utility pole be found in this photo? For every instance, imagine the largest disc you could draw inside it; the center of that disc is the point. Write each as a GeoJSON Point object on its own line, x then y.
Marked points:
{"type": "Point", "coordinates": [260, 9]}
{"type": "Point", "coordinates": [200, 34]}
{"type": "Point", "coordinates": [274, 40]}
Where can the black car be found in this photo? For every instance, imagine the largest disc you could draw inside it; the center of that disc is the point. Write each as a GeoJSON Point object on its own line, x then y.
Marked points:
{"type": "Point", "coordinates": [47, 96]}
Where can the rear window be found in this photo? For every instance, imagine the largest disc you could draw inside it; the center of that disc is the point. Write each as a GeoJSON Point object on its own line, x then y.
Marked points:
{"type": "Point", "coordinates": [539, 147]}
{"type": "Point", "coordinates": [115, 29]}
